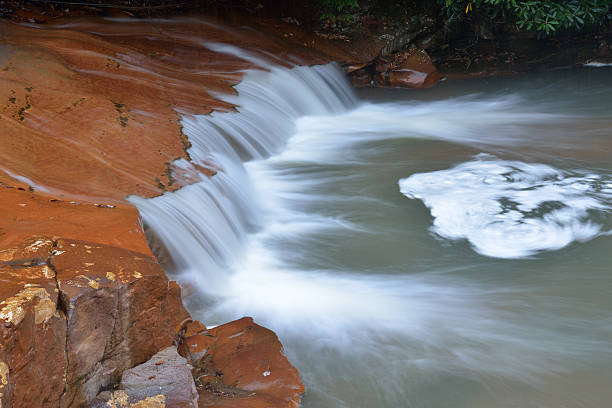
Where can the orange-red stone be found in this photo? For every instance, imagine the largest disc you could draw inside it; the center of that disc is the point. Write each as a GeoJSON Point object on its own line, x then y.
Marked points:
{"type": "Point", "coordinates": [89, 114]}
{"type": "Point", "coordinates": [241, 364]}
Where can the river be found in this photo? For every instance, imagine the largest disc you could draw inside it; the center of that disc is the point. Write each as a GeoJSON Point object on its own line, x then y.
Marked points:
{"type": "Point", "coordinates": [439, 248]}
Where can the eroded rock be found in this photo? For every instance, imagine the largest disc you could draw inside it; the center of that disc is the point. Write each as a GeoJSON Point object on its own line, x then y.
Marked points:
{"type": "Point", "coordinates": [78, 314]}
{"type": "Point", "coordinates": [241, 364]}
{"type": "Point", "coordinates": [412, 69]}
{"type": "Point", "coordinates": [32, 328]}
{"type": "Point", "coordinates": [166, 378]}
{"type": "Point", "coordinates": [31, 216]}
{"type": "Point", "coordinates": [90, 114]}
{"type": "Point", "coordinates": [120, 311]}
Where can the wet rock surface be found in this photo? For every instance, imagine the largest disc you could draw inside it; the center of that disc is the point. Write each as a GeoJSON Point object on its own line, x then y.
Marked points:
{"type": "Point", "coordinates": [91, 115]}
{"type": "Point", "coordinates": [28, 212]}
{"type": "Point", "coordinates": [240, 364]}
{"type": "Point", "coordinates": [237, 364]}
{"type": "Point", "coordinates": [166, 373]}
{"type": "Point", "coordinates": [75, 311]}
{"type": "Point", "coordinates": [409, 69]}
{"type": "Point", "coordinates": [164, 379]}
{"type": "Point", "coordinates": [32, 328]}
{"type": "Point", "coordinates": [81, 313]}
{"type": "Point", "coordinates": [91, 108]}
{"type": "Point", "coordinates": [120, 310]}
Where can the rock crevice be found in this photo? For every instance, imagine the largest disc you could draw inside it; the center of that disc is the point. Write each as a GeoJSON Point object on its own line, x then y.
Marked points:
{"type": "Point", "coordinates": [81, 319]}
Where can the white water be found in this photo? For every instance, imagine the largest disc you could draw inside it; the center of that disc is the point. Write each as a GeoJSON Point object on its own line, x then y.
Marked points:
{"type": "Point", "coordinates": [26, 180]}
{"type": "Point", "coordinates": [371, 336]}
{"type": "Point", "coordinates": [598, 64]}
{"type": "Point", "coordinates": [511, 209]}
{"type": "Point", "coordinates": [204, 226]}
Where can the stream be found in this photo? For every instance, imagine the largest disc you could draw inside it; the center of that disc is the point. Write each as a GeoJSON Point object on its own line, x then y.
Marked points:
{"type": "Point", "coordinates": [438, 248]}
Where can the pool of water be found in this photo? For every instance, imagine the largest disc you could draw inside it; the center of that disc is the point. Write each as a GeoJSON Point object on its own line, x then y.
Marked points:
{"type": "Point", "coordinates": [436, 248]}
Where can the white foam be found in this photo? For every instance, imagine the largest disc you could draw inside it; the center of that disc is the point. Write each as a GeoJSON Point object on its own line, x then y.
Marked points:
{"type": "Point", "coordinates": [319, 138]}
{"type": "Point", "coordinates": [510, 209]}
{"type": "Point", "coordinates": [597, 64]}
{"type": "Point", "coordinates": [344, 330]}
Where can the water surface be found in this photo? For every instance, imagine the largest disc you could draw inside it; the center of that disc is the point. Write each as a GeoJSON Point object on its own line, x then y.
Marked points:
{"type": "Point", "coordinates": [448, 247]}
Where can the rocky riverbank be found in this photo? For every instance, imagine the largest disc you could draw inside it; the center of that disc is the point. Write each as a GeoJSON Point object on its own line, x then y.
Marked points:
{"type": "Point", "coordinates": [91, 111]}
{"type": "Point", "coordinates": [91, 114]}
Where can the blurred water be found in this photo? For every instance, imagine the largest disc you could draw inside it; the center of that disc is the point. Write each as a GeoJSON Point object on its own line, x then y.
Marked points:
{"type": "Point", "coordinates": [486, 284]}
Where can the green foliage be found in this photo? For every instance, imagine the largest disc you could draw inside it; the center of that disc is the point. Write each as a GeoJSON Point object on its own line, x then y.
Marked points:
{"type": "Point", "coordinates": [337, 9]}
{"type": "Point", "coordinates": [542, 16]}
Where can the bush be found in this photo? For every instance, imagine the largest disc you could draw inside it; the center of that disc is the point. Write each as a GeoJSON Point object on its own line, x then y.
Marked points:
{"type": "Point", "coordinates": [542, 16]}
{"type": "Point", "coordinates": [336, 9]}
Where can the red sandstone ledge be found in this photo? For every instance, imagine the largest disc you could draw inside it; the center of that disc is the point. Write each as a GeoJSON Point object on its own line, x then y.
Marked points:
{"type": "Point", "coordinates": [89, 115]}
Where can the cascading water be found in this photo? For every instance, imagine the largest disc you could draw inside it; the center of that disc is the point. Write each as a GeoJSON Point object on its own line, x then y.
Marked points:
{"type": "Point", "coordinates": [302, 229]}
{"type": "Point", "coordinates": [206, 225]}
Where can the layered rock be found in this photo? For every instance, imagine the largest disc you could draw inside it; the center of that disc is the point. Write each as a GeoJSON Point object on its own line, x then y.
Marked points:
{"type": "Point", "coordinates": [80, 313]}
{"type": "Point", "coordinates": [91, 108]}
{"type": "Point", "coordinates": [91, 114]}
{"type": "Point", "coordinates": [27, 212]}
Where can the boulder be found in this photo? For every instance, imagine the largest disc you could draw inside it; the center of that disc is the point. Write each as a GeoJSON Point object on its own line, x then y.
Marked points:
{"type": "Point", "coordinates": [32, 328]}
{"type": "Point", "coordinates": [241, 364]}
{"type": "Point", "coordinates": [165, 380]}
{"type": "Point", "coordinates": [413, 69]}
{"type": "Point", "coordinates": [74, 315]}
{"type": "Point", "coordinates": [120, 310]}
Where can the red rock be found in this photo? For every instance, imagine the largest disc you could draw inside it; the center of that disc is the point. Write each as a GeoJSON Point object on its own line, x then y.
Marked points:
{"type": "Point", "coordinates": [383, 64]}
{"type": "Point", "coordinates": [92, 111]}
{"type": "Point", "coordinates": [32, 331]}
{"type": "Point", "coordinates": [241, 364]}
{"type": "Point", "coordinates": [166, 374]}
{"type": "Point", "coordinates": [361, 79]}
{"type": "Point", "coordinates": [89, 116]}
{"type": "Point", "coordinates": [121, 310]}
{"type": "Point", "coordinates": [413, 69]}
{"type": "Point", "coordinates": [28, 213]}
{"type": "Point", "coordinates": [81, 313]}
{"type": "Point", "coordinates": [192, 328]}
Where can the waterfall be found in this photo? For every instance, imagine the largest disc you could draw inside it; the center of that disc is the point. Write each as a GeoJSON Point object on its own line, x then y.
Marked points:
{"type": "Point", "coordinates": [239, 242]}
{"type": "Point", "coordinates": [205, 224]}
